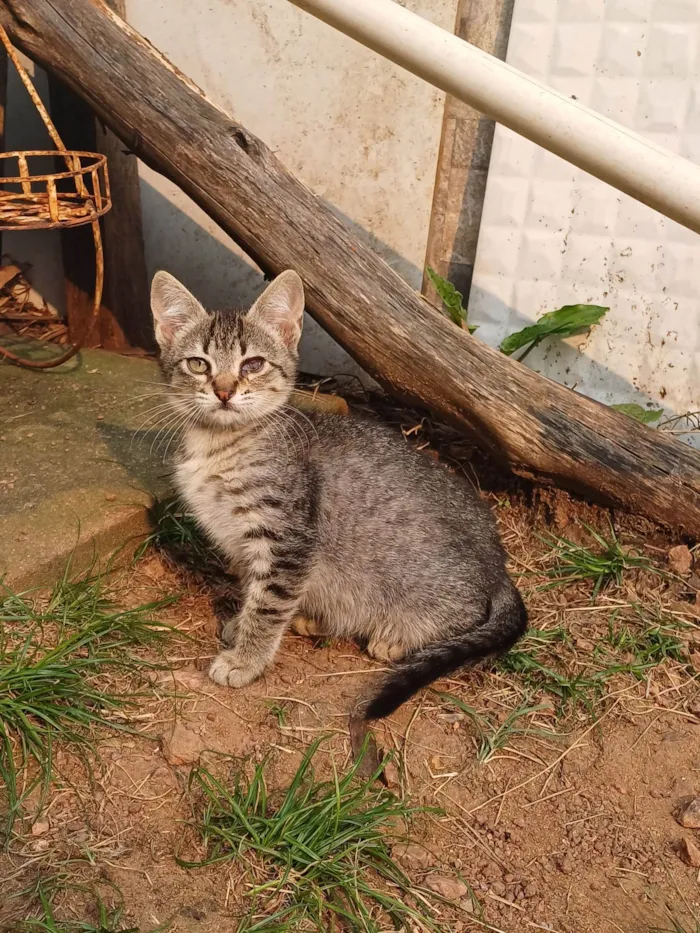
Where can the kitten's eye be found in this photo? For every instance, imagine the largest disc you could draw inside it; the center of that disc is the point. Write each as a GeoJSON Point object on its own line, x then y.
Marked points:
{"type": "Point", "coordinates": [197, 365]}
{"type": "Point", "coordinates": [253, 365]}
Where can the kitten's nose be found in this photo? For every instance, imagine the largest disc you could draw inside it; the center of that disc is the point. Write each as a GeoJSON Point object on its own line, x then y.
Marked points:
{"type": "Point", "coordinates": [224, 387]}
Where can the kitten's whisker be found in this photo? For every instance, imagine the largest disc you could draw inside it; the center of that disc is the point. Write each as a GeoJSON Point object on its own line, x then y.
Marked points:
{"type": "Point", "coordinates": [154, 413]}
{"type": "Point", "coordinates": [295, 411]}
{"type": "Point", "coordinates": [287, 415]}
{"type": "Point", "coordinates": [180, 430]}
{"type": "Point", "coordinates": [180, 417]}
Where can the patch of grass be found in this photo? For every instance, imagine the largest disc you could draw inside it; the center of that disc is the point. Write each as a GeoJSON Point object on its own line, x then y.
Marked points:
{"type": "Point", "coordinates": [320, 856]}
{"type": "Point", "coordinates": [548, 662]}
{"type": "Point", "coordinates": [105, 919]}
{"type": "Point", "coordinates": [602, 564]}
{"type": "Point", "coordinates": [174, 530]}
{"type": "Point", "coordinates": [51, 656]}
{"type": "Point", "coordinates": [677, 926]}
{"type": "Point", "coordinates": [649, 645]}
{"type": "Point", "coordinates": [177, 534]}
{"type": "Point", "coordinates": [280, 712]}
{"type": "Point", "coordinates": [492, 734]}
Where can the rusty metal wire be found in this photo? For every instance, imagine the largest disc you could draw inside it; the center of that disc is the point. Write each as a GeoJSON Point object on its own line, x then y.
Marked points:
{"type": "Point", "coordinates": [32, 200]}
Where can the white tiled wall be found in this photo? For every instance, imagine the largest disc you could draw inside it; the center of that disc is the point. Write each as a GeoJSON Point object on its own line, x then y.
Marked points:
{"type": "Point", "coordinates": [553, 235]}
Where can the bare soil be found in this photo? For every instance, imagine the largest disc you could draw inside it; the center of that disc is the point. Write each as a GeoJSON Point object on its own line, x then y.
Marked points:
{"type": "Point", "coordinates": [567, 826]}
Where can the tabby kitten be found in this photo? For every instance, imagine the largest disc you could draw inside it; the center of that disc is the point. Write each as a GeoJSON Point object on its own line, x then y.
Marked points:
{"type": "Point", "coordinates": [329, 521]}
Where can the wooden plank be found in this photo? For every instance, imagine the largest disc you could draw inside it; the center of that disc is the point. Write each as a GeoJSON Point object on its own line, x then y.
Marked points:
{"type": "Point", "coordinates": [542, 429]}
{"type": "Point", "coordinates": [463, 162]}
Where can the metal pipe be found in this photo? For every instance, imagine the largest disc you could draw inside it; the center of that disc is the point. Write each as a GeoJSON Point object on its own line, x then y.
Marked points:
{"type": "Point", "coordinates": [651, 174]}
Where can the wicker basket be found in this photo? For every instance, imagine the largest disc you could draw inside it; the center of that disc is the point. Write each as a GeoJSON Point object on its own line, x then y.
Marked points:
{"type": "Point", "coordinates": [31, 199]}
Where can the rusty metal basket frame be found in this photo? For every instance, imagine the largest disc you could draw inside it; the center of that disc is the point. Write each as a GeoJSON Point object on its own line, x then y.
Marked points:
{"type": "Point", "coordinates": [52, 206]}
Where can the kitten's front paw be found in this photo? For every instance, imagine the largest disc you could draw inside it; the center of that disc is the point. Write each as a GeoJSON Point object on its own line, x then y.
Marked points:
{"type": "Point", "coordinates": [230, 670]}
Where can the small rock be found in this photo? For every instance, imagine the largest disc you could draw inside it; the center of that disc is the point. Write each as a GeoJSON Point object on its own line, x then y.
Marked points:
{"type": "Point", "coordinates": [499, 889]}
{"type": "Point", "coordinates": [530, 889]}
{"type": "Point", "coordinates": [182, 746]}
{"type": "Point", "coordinates": [690, 853]}
{"type": "Point", "coordinates": [391, 775]}
{"type": "Point", "coordinates": [110, 497]}
{"type": "Point", "coordinates": [187, 678]}
{"type": "Point", "coordinates": [680, 560]}
{"type": "Point", "coordinates": [40, 828]}
{"type": "Point", "coordinates": [412, 855]}
{"type": "Point", "coordinates": [449, 888]}
{"type": "Point", "coordinates": [688, 813]}
{"type": "Point", "coordinates": [467, 905]}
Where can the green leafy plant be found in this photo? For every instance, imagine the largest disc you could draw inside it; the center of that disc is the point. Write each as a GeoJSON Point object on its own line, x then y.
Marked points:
{"type": "Point", "coordinates": [51, 656]}
{"type": "Point", "coordinates": [568, 321]}
{"type": "Point", "coordinates": [322, 852]}
{"type": "Point", "coordinates": [633, 410]}
{"type": "Point", "coordinates": [451, 299]}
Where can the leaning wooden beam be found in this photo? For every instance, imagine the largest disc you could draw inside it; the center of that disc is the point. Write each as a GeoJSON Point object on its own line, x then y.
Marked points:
{"type": "Point", "coordinates": [542, 429]}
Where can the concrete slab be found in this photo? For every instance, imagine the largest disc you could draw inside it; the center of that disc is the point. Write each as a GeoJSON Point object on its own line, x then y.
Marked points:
{"type": "Point", "coordinates": [79, 462]}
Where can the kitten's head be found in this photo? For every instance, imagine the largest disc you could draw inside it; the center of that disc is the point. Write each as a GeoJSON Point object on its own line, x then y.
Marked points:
{"type": "Point", "coordinates": [228, 368]}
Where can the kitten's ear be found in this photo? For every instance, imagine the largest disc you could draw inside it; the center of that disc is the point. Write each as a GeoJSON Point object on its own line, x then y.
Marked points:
{"type": "Point", "coordinates": [281, 307]}
{"type": "Point", "coordinates": [173, 307]}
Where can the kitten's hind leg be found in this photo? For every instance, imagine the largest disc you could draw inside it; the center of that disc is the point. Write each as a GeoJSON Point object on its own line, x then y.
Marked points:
{"type": "Point", "coordinates": [382, 650]}
{"type": "Point", "coordinates": [307, 627]}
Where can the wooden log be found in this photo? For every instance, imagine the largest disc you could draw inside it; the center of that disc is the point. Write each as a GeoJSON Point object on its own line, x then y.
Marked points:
{"type": "Point", "coordinates": [541, 429]}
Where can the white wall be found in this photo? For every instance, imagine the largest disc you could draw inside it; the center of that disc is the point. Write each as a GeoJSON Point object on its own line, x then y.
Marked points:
{"type": "Point", "coordinates": [362, 134]}
{"type": "Point", "coordinates": [552, 235]}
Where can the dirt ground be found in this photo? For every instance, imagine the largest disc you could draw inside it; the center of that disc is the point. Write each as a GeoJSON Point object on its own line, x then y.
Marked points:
{"type": "Point", "coordinates": [562, 821]}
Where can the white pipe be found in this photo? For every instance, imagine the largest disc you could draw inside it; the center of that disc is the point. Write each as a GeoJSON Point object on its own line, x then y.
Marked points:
{"type": "Point", "coordinates": [647, 172]}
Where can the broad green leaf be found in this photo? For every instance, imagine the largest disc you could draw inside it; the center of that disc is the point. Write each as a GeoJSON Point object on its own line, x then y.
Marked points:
{"type": "Point", "coordinates": [645, 415]}
{"type": "Point", "coordinates": [451, 298]}
{"type": "Point", "coordinates": [566, 322]}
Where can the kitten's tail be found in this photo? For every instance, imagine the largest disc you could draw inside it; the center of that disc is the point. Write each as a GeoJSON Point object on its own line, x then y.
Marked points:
{"type": "Point", "coordinates": [505, 623]}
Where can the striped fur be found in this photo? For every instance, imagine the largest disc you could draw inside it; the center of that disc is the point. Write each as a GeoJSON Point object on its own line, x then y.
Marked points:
{"type": "Point", "coordinates": [326, 517]}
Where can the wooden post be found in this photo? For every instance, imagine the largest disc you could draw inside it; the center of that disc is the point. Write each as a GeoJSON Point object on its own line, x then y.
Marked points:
{"type": "Point", "coordinates": [3, 113]}
{"type": "Point", "coordinates": [542, 429]}
{"type": "Point", "coordinates": [463, 162]}
{"type": "Point", "coordinates": [124, 322]}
